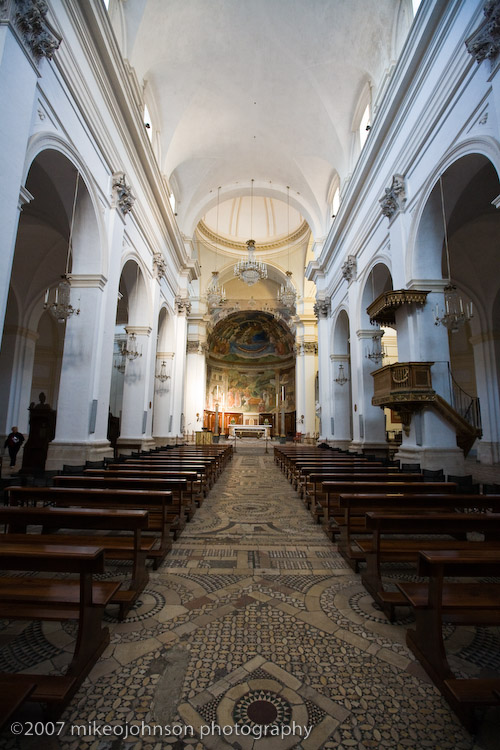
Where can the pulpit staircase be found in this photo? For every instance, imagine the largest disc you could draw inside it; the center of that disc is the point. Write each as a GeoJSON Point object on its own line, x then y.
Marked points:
{"type": "Point", "coordinates": [406, 387]}
{"type": "Point", "coordinates": [464, 414]}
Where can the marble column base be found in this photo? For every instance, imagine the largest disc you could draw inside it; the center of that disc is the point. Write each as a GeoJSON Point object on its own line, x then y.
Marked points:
{"type": "Point", "coordinates": [487, 453]}
{"type": "Point", "coordinates": [450, 460]}
{"type": "Point", "coordinates": [61, 453]}
{"type": "Point", "coordinates": [129, 445]}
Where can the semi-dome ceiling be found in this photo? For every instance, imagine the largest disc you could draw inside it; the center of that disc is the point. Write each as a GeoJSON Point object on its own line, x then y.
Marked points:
{"type": "Point", "coordinates": [262, 219]}
{"type": "Point", "coordinates": [268, 90]}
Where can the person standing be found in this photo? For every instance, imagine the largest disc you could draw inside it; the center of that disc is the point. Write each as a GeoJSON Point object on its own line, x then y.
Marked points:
{"type": "Point", "coordinates": [13, 443]}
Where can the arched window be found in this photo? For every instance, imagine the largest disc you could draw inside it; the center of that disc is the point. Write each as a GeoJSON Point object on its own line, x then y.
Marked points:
{"type": "Point", "coordinates": [147, 122]}
{"type": "Point", "coordinates": [364, 126]}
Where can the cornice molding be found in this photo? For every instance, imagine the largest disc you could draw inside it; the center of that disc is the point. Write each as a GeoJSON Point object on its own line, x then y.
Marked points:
{"type": "Point", "coordinates": [240, 247]}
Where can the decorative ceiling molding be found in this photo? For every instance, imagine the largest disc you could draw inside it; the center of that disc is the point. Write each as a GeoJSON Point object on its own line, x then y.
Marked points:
{"type": "Point", "coordinates": [240, 247]}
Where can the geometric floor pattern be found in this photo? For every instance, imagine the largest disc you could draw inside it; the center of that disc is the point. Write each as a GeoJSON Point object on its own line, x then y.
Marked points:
{"type": "Point", "coordinates": [254, 635]}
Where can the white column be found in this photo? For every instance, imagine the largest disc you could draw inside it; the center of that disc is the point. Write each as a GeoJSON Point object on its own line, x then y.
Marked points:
{"type": "Point", "coordinates": [432, 440]}
{"type": "Point", "coordinates": [322, 311]}
{"type": "Point", "coordinates": [162, 409]}
{"type": "Point", "coordinates": [106, 332]}
{"type": "Point", "coordinates": [487, 369]}
{"type": "Point", "coordinates": [18, 78]}
{"type": "Point", "coordinates": [135, 393]}
{"type": "Point", "coordinates": [16, 372]}
{"type": "Point", "coordinates": [369, 420]}
{"type": "Point", "coordinates": [196, 380]}
{"type": "Point", "coordinates": [74, 427]}
{"type": "Point", "coordinates": [341, 408]}
{"type": "Point", "coordinates": [178, 411]}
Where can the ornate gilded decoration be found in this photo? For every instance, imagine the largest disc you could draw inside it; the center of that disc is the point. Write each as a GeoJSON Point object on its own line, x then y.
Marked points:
{"type": "Point", "coordinates": [394, 198]}
{"type": "Point", "coordinates": [382, 310]}
{"type": "Point", "coordinates": [123, 196]}
{"type": "Point", "coordinates": [484, 43]}
{"type": "Point", "coordinates": [36, 30]}
{"type": "Point", "coordinates": [404, 387]}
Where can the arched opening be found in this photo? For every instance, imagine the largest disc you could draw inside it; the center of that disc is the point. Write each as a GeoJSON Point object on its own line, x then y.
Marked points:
{"type": "Point", "coordinates": [340, 379]}
{"type": "Point", "coordinates": [250, 374]}
{"type": "Point", "coordinates": [129, 348]}
{"type": "Point", "coordinates": [57, 235]}
{"type": "Point", "coordinates": [457, 241]}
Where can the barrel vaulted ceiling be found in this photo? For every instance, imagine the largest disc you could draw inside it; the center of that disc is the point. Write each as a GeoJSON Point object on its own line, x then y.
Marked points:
{"type": "Point", "coordinates": [263, 89]}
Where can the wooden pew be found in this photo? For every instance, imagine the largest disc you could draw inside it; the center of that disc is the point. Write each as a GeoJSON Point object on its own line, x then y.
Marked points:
{"type": "Point", "coordinates": [334, 489]}
{"type": "Point", "coordinates": [12, 698]}
{"type": "Point", "coordinates": [200, 484]}
{"type": "Point", "coordinates": [191, 478]}
{"type": "Point", "coordinates": [34, 598]}
{"type": "Point", "coordinates": [402, 546]}
{"type": "Point", "coordinates": [331, 469]}
{"type": "Point", "coordinates": [350, 521]}
{"type": "Point", "coordinates": [176, 486]}
{"type": "Point", "coordinates": [207, 466]}
{"type": "Point", "coordinates": [159, 505]}
{"type": "Point", "coordinates": [118, 547]}
{"type": "Point", "coordinates": [437, 602]}
{"type": "Point", "coordinates": [316, 498]}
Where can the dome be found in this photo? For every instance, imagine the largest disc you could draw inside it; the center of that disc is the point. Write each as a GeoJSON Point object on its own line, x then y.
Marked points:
{"type": "Point", "coordinates": [262, 219]}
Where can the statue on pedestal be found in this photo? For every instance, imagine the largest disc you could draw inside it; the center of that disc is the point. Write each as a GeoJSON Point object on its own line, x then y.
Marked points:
{"type": "Point", "coordinates": [42, 430]}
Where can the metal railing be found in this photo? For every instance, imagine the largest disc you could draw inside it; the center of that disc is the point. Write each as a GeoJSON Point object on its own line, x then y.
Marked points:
{"type": "Point", "coordinates": [464, 404]}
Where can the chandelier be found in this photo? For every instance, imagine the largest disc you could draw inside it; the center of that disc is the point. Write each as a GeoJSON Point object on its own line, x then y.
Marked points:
{"type": "Point", "coordinates": [128, 349]}
{"type": "Point", "coordinates": [250, 270]}
{"type": "Point", "coordinates": [215, 293]}
{"type": "Point", "coordinates": [61, 307]}
{"type": "Point", "coordinates": [455, 312]}
{"type": "Point", "coordinates": [341, 379]}
{"type": "Point", "coordinates": [377, 352]}
{"type": "Point", "coordinates": [161, 375]}
{"type": "Point", "coordinates": [287, 294]}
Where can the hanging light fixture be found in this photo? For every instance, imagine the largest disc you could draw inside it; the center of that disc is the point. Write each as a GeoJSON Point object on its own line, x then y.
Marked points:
{"type": "Point", "coordinates": [61, 307]}
{"type": "Point", "coordinates": [128, 348]}
{"type": "Point", "coordinates": [341, 379]}
{"type": "Point", "coordinates": [161, 375]}
{"type": "Point", "coordinates": [216, 294]}
{"type": "Point", "coordinates": [250, 270]}
{"type": "Point", "coordinates": [287, 294]}
{"type": "Point", "coordinates": [377, 352]}
{"type": "Point", "coordinates": [455, 312]}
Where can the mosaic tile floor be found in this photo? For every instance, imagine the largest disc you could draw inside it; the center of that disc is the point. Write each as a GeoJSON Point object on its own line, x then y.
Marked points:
{"type": "Point", "coordinates": [254, 622]}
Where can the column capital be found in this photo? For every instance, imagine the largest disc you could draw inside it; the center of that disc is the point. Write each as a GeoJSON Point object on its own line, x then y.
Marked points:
{"type": "Point", "coordinates": [138, 330]}
{"type": "Point", "coordinates": [90, 280]}
{"type": "Point", "coordinates": [182, 305]}
{"type": "Point", "coordinates": [29, 19]}
{"type": "Point", "coordinates": [24, 197]}
{"type": "Point", "coordinates": [394, 198]}
{"type": "Point", "coordinates": [322, 308]}
{"type": "Point", "coordinates": [123, 198]}
{"type": "Point", "coordinates": [484, 43]}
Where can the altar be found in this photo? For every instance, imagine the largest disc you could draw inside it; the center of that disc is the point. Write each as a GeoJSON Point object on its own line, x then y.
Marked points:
{"type": "Point", "coordinates": [250, 430]}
